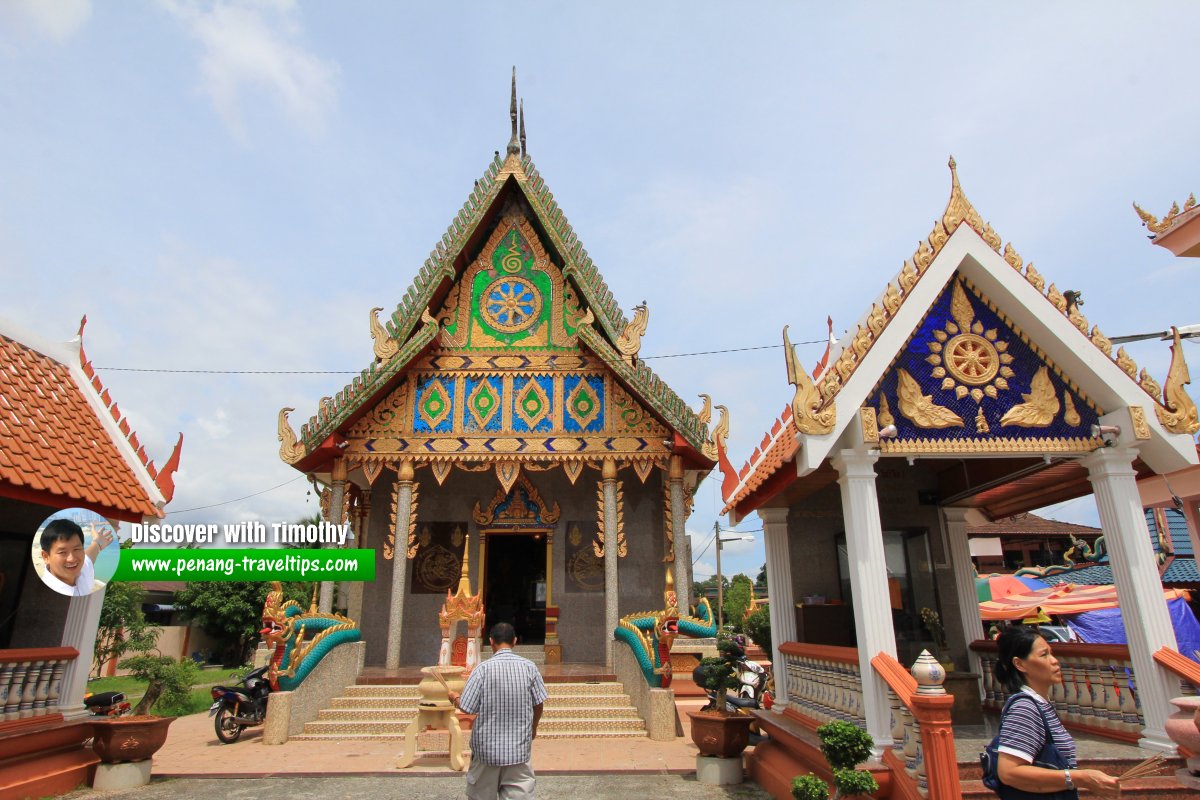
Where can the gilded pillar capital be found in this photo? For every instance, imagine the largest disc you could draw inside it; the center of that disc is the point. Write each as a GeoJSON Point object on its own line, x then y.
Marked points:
{"type": "Point", "coordinates": [338, 472]}
{"type": "Point", "coordinates": [609, 470]}
{"type": "Point", "coordinates": [404, 471]}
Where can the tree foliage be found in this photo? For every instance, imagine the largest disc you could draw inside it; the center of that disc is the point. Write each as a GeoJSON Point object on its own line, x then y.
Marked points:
{"type": "Point", "coordinates": [737, 600]}
{"type": "Point", "coordinates": [123, 627]}
{"type": "Point", "coordinates": [231, 612]}
{"type": "Point", "coordinates": [168, 682]}
{"type": "Point", "coordinates": [758, 628]}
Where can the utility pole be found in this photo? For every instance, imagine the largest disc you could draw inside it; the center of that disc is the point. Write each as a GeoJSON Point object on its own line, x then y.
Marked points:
{"type": "Point", "coordinates": [720, 580]}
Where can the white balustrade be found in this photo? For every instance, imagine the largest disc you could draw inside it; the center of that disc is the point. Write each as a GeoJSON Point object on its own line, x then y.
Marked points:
{"type": "Point", "coordinates": [31, 681]}
{"type": "Point", "coordinates": [823, 682]}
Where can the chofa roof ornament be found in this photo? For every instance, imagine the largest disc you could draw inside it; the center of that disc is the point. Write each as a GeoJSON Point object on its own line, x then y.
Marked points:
{"type": "Point", "coordinates": [807, 414]}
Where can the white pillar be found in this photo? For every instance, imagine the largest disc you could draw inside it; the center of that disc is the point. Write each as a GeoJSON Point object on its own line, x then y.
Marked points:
{"type": "Point", "coordinates": [682, 571]}
{"type": "Point", "coordinates": [782, 607]}
{"type": "Point", "coordinates": [964, 579]}
{"type": "Point", "coordinates": [611, 615]}
{"type": "Point", "coordinates": [404, 479]}
{"type": "Point", "coordinates": [1139, 589]}
{"type": "Point", "coordinates": [83, 623]}
{"type": "Point", "coordinates": [337, 497]}
{"type": "Point", "coordinates": [869, 584]}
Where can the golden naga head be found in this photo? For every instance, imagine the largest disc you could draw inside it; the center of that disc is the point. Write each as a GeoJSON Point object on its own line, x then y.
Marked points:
{"type": "Point", "coordinates": [274, 617]}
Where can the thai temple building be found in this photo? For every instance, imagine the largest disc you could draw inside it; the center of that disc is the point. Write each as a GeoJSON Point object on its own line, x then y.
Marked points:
{"type": "Point", "coordinates": [972, 388]}
{"type": "Point", "coordinates": [505, 414]}
{"type": "Point", "coordinates": [64, 443]}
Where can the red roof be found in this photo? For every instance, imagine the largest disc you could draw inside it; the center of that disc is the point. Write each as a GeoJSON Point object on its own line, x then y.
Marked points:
{"type": "Point", "coordinates": [778, 447]}
{"type": "Point", "coordinates": [55, 448]}
{"type": "Point", "coordinates": [1031, 525]}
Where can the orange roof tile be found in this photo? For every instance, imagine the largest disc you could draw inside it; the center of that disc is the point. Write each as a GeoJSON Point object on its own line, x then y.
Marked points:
{"type": "Point", "coordinates": [53, 442]}
{"type": "Point", "coordinates": [776, 449]}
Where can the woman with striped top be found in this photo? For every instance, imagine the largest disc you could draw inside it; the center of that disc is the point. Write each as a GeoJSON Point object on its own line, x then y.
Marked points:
{"type": "Point", "coordinates": [1036, 754]}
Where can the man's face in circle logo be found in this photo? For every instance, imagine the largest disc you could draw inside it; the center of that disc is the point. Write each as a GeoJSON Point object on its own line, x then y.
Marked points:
{"type": "Point", "coordinates": [65, 559]}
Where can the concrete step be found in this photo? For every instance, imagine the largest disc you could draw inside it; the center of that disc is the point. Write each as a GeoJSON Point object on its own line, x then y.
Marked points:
{"type": "Point", "coordinates": [406, 713]}
{"type": "Point", "coordinates": [1155, 788]}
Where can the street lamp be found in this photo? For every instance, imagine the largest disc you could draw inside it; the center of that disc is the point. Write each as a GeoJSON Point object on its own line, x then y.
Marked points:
{"type": "Point", "coordinates": [720, 583]}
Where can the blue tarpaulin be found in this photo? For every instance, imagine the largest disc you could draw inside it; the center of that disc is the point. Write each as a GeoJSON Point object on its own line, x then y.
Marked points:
{"type": "Point", "coordinates": [1105, 627]}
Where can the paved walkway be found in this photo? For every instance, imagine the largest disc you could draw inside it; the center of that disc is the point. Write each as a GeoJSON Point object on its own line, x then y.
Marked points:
{"type": "Point", "coordinates": [448, 787]}
{"type": "Point", "coordinates": [192, 750]}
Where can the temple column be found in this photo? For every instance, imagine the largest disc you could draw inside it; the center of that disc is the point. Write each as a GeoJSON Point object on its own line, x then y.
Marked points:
{"type": "Point", "coordinates": [552, 648]}
{"type": "Point", "coordinates": [869, 584]}
{"type": "Point", "coordinates": [782, 606]}
{"type": "Point", "coordinates": [682, 573]}
{"type": "Point", "coordinates": [964, 579]}
{"type": "Point", "coordinates": [337, 497]}
{"type": "Point", "coordinates": [1139, 588]}
{"type": "Point", "coordinates": [403, 506]}
{"type": "Point", "coordinates": [611, 614]}
{"type": "Point", "coordinates": [354, 605]}
{"type": "Point", "coordinates": [83, 623]}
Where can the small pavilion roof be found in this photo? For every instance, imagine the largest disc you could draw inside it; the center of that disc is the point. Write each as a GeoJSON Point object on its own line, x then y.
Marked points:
{"type": "Point", "coordinates": [960, 244]}
{"type": "Point", "coordinates": [63, 439]}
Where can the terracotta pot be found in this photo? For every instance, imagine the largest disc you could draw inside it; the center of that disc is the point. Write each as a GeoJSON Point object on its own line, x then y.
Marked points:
{"type": "Point", "coordinates": [1181, 727]}
{"type": "Point", "coordinates": [720, 735]}
{"type": "Point", "coordinates": [121, 739]}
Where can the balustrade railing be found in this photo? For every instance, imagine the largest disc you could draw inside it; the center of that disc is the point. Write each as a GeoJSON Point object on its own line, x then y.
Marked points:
{"type": "Point", "coordinates": [922, 736]}
{"type": "Point", "coordinates": [31, 681]}
{"type": "Point", "coordinates": [1098, 693]}
{"type": "Point", "coordinates": [822, 682]}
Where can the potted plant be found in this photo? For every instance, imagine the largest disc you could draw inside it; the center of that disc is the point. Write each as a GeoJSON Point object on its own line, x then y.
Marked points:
{"type": "Point", "coordinates": [844, 746]}
{"type": "Point", "coordinates": [933, 623]}
{"type": "Point", "coordinates": [715, 730]}
{"type": "Point", "coordinates": [139, 736]}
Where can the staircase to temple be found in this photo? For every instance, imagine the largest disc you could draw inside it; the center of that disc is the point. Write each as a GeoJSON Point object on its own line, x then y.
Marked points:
{"type": "Point", "coordinates": [585, 709]}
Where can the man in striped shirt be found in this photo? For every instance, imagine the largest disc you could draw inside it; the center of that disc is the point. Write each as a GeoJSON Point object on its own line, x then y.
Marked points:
{"type": "Point", "coordinates": [506, 693]}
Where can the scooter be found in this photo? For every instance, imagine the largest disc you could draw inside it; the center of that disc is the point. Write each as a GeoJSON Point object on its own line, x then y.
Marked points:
{"type": "Point", "coordinates": [107, 704]}
{"type": "Point", "coordinates": [239, 707]}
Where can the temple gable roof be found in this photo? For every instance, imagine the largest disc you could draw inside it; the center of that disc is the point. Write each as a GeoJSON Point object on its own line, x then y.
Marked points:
{"type": "Point", "coordinates": [508, 189]}
{"type": "Point", "coordinates": [64, 441]}
{"type": "Point", "coordinates": [944, 340]}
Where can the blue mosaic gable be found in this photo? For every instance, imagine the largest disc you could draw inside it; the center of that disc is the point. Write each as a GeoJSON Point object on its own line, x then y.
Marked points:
{"type": "Point", "coordinates": [573, 416]}
{"type": "Point", "coordinates": [1013, 353]}
{"type": "Point", "coordinates": [486, 394]}
{"type": "Point", "coordinates": [538, 406]}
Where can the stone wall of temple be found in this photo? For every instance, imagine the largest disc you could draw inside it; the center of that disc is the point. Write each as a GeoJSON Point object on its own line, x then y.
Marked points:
{"type": "Point", "coordinates": [40, 612]}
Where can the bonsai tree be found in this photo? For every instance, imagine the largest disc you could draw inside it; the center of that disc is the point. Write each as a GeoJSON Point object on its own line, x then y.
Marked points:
{"type": "Point", "coordinates": [758, 626]}
{"type": "Point", "coordinates": [844, 746]}
{"type": "Point", "coordinates": [719, 675]}
{"type": "Point", "coordinates": [168, 682]}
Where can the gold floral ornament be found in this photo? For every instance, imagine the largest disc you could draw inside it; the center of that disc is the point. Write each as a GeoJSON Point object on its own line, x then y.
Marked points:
{"type": "Point", "coordinates": [920, 408]}
{"type": "Point", "coordinates": [1040, 406]}
{"type": "Point", "coordinates": [290, 450]}
{"type": "Point", "coordinates": [630, 341]}
{"type": "Point", "coordinates": [969, 360]}
{"type": "Point", "coordinates": [1152, 222]}
{"type": "Point", "coordinates": [386, 347]}
{"type": "Point", "coordinates": [1178, 413]}
{"type": "Point", "coordinates": [807, 414]}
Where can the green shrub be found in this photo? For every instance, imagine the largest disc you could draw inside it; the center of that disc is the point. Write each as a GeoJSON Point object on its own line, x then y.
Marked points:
{"type": "Point", "coordinates": [758, 627]}
{"type": "Point", "coordinates": [850, 782]}
{"type": "Point", "coordinates": [168, 682]}
{"type": "Point", "coordinates": [809, 787]}
{"type": "Point", "coordinates": [844, 746]}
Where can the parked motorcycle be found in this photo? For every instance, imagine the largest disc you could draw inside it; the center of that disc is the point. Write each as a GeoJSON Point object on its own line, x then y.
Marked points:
{"type": "Point", "coordinates": [242, 706]}
{"type": "Point", "coordinates": [106, 704]}
{"type": "Point", "coordinates": [755, 685]}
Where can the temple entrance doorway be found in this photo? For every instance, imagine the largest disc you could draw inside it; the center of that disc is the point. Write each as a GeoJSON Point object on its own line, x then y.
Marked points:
{"type": "Point", "coordinates": [515, 584]}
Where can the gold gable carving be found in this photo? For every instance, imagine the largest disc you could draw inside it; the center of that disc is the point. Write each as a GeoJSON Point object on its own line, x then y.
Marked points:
{"type": "Point", "coordinates": [516, 513]}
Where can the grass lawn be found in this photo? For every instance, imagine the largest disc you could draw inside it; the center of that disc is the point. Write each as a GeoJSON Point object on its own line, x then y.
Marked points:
{"type": "Point", "coordinates": [133, 688]}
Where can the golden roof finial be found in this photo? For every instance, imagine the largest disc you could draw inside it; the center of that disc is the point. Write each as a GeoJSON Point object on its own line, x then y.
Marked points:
{"type": "Point", "coordinates": [464, 578]}
{"type": "Point", "coordinates": [312, 604]}
{"type": "Point", "coordinates": [514, 144]}
{"type": "Point", "coordinates": [959, 208]}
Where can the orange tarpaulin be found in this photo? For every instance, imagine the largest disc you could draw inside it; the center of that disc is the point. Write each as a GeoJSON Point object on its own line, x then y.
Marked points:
{"type": "Point", "coordinates": [1066, 598]}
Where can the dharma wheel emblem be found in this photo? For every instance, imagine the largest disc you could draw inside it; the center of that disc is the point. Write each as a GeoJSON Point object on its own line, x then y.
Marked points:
{"type": "Point", "coordinates": [511, 304]}
{"type": "Point", "coordinates": [969, 359]}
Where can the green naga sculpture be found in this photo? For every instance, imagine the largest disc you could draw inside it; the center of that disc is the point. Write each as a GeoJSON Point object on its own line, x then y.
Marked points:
{"type": "Point", "coordinates": [1086, 554]}
{"type": "Point", "coordinates": [650, 634]}
{"type": "Point", "coordinates": [298, 639]}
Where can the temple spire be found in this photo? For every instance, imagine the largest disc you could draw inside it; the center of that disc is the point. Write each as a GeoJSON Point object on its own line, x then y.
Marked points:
{"type": "Point", "coordinates": [514, 145]}
{"type": "Point", "coordinates": [522, 127]}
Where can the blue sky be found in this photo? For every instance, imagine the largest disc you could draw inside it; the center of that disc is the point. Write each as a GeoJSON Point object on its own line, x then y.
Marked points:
{"type": "Point", "coordinates": [232, 185]}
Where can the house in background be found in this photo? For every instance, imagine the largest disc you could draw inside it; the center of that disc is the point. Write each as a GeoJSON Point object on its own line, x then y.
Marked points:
{"type": "Point", "coordinates": [178, 637]}
{"type": "Point", "coordinates": [63, 444]}
{"type": "Point", "coordinates": [1026, 540]}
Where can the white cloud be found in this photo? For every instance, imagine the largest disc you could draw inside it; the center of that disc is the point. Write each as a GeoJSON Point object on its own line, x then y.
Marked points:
{"type": "Point", "coordinates": [254, 47]}
{"type": "Point", "coordinates": [703, 570]}
{"type": "Point", "coordinates": [56, 20]}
